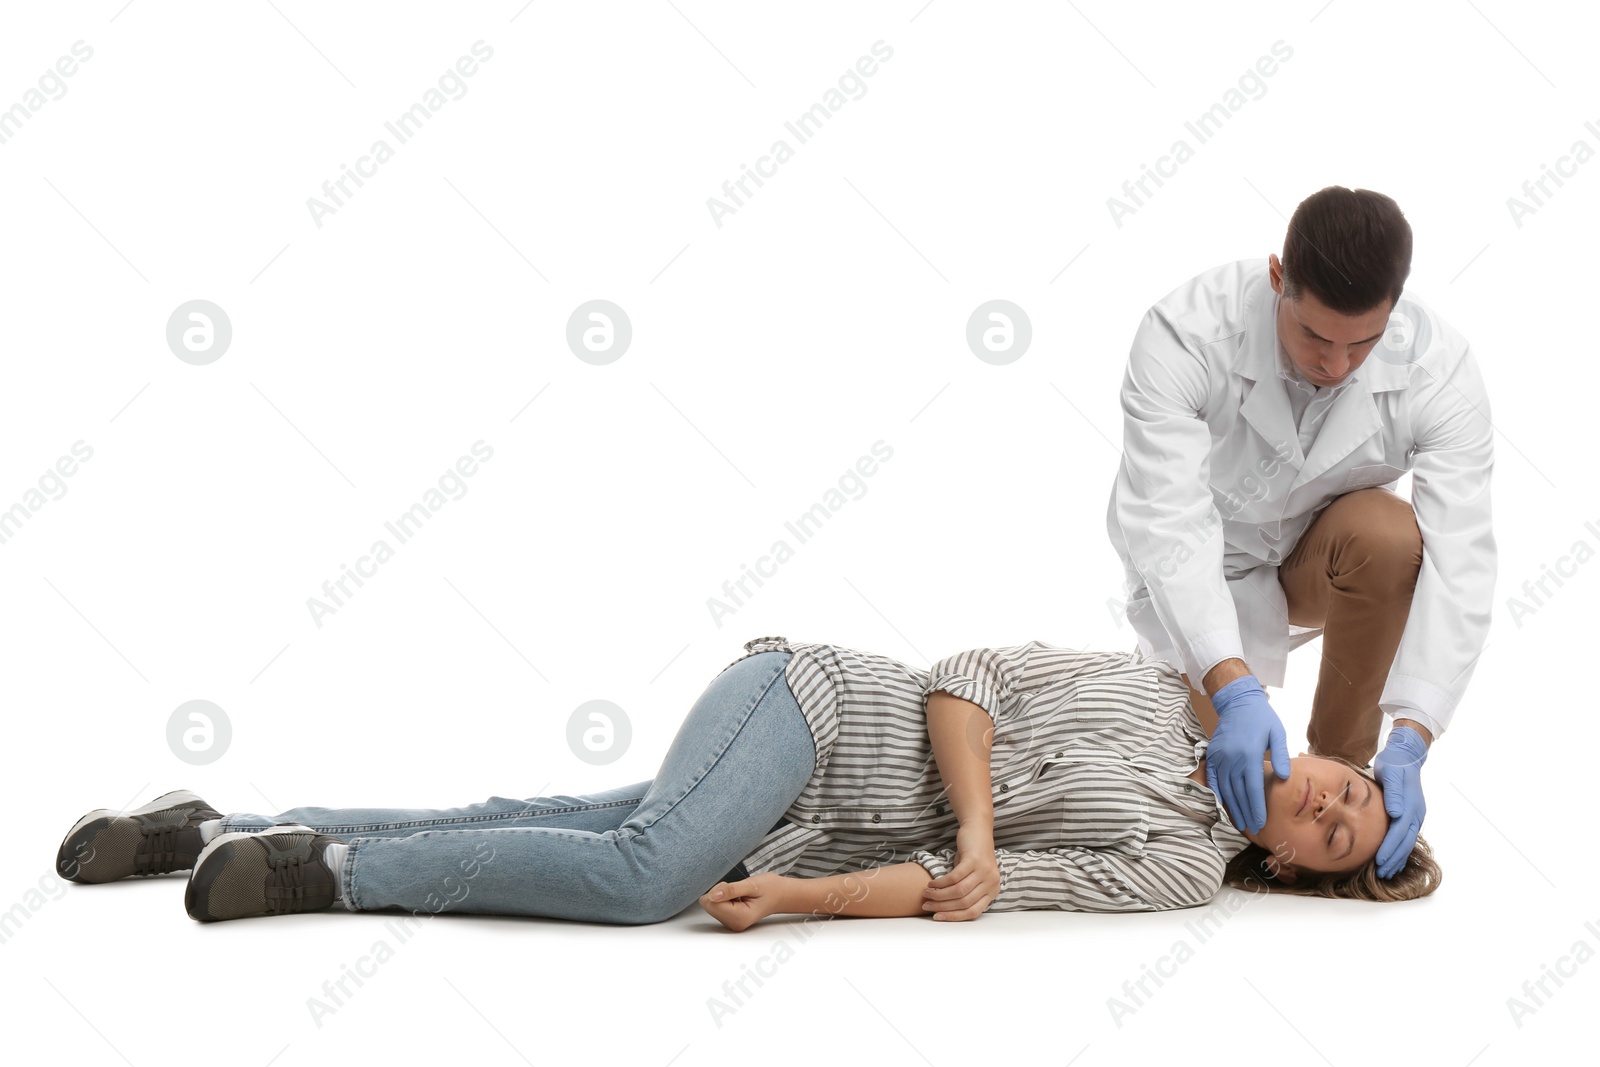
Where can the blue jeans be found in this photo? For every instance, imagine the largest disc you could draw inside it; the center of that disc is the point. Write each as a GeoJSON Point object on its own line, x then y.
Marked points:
{"type": "Point", "coordinates": [636, 854]}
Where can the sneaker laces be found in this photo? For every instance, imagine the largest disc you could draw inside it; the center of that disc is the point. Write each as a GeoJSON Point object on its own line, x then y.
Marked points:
{"type": "Point", "coordinates": [286, 885]}
{"type": "Point", "coordinates": [160, 852]}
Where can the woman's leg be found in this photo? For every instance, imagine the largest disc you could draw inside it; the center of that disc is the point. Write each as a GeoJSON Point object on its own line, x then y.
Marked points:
{"type": "Point", "coordinates": [595, 812]}
{"type": "Point", "coordinates": [738, 762]}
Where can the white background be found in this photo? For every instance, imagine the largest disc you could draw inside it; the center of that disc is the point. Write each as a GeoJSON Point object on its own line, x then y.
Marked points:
{"type": "Point", "coordinates": [768, 355]}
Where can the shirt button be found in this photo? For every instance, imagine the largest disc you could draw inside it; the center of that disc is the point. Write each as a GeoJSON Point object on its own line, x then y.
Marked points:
{"type": "Point", "coordinates": [1004, 787]}
{"type": "Point", "coordinates": [1060, 754]}
{"type": "Point", "coordinates": [816, 818]}
{"type": "Point", "coordinates": [940, 809]}
{"type": "Point", "coordinates": [876, 817]}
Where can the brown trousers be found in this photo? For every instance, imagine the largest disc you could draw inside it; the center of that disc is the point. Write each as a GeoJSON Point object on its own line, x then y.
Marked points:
{"type": "Point", "coordinates": [1352, 572]}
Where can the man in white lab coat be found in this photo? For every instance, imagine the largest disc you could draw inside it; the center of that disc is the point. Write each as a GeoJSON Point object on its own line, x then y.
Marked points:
{"type": "Point", "coordinates": [1269, 407]}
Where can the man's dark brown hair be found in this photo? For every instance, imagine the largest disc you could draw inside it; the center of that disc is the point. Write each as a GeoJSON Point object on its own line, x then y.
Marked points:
{"type": "Point", "coordinates": [1350, 248]}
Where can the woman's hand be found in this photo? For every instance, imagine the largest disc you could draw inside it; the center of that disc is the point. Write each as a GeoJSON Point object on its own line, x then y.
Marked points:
{"type": "Point", "coordinates": [972, 883]}
{"type": "Point", "coordinates": [740, 905]}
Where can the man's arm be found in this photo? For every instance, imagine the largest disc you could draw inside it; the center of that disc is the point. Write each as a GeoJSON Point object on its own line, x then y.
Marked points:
{"type": "Point", "coordinates": [1163, 501]}
{"type": "Point", "coordinates": [1423, 731]}
{"type": "Point", "coordinates": [1228, 670]}
{"type": "Point", "coordinates": [1453, 602]}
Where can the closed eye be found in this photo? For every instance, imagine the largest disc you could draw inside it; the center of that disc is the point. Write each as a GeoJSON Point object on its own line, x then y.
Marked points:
{"type": "Point", "coordinates": [1309, 332]}
{"type": "Point", "coordinates": [1345, 795]}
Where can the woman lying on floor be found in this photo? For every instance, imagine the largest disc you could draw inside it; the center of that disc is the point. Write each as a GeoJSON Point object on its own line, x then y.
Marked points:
{"type": "Point", "coordinates": [1002, 779]}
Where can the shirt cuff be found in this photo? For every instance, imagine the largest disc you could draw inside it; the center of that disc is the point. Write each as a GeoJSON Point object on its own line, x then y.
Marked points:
{"type": "Point", "coordinates": [959, 685]}
{"type": "Point", "coordinates": [1408, 697]}
{"type": "Point", "coordinates": [937, 864]}
{"type": "Point", "coordinates": [1399, 711]}
{"type": "Point", "coordinates": [1208, 650]}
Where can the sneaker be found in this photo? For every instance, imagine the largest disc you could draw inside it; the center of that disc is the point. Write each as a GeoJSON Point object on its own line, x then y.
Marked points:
{"type": "Point", "coordinates": [161, 837]}
{"type": "Point", "coordinates": [276, 871]}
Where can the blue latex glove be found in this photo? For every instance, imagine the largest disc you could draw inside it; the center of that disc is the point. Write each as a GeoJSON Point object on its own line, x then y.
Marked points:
{"type": "Point", "coordinates": [1246, 728]}
{"type": "Point", "coordinates": [1398, 769]}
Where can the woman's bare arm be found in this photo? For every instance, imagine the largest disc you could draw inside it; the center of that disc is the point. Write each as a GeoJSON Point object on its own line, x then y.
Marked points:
{"type": "Point", "coordinates": [961, 734]}
{"type": "Point", "coordinates": [879, 892]}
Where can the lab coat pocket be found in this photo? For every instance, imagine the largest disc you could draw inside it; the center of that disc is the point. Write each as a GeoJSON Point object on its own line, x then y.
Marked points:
{"type": "Point", "coordinates": [1371, 475]}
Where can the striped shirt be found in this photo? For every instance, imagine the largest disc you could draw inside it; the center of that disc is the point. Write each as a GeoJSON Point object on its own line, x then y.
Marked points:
{"type": "Point", "coordinates": [1093, 809]}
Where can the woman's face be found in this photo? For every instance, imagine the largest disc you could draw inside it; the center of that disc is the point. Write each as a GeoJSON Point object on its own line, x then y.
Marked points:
{"type": "Point", "coordinates": [1323, 817]}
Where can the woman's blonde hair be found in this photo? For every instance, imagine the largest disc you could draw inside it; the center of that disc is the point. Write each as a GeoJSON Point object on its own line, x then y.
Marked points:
{"type": "Point", "coordinates": [1420, 876]}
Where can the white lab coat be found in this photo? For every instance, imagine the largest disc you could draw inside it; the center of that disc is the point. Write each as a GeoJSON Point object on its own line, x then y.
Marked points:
{"type": "Point", "coordinates": [1210, 447]}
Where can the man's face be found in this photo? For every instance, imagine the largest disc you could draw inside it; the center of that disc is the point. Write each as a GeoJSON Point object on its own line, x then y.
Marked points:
{"type": "Point", "coordinates": [1325, 345]}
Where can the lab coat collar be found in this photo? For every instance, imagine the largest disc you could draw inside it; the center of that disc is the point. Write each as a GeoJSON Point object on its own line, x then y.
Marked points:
{"type": "Point", "coordinates": [1351, 419]}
